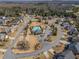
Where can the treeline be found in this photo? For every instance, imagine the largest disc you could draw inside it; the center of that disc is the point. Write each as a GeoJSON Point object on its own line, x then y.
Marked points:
{"type": "Point", "coordinates": [14, 11]}
{"type": "Point", "coordinates": [47, 11]}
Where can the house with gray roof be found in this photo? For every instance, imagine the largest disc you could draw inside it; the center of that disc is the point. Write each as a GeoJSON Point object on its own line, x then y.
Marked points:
{"type": "Point", "coordinates": [77, 47]}
{"type": "Point", "coordinates": [2, 36]}
{"type": "Point", "coordinates": [68, 54]}
{"type": "Point", "coordinates": [74, 47]}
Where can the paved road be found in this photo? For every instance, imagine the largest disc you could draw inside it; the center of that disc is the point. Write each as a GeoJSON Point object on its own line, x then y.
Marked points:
{"type": "Point", "coordinates": [46, 45]}
{"type": "Point", "coordinates": [8, 54]}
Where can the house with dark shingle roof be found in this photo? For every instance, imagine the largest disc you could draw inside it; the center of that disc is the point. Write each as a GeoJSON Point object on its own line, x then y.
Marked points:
{"type": "Point", "coordinates": [74, 47]}
{"type": "Point", "coordinates": [68, 54]}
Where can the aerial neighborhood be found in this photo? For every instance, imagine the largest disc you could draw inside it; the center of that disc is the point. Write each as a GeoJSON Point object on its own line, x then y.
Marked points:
{"type": "Point", "coordinates": [39, 31]}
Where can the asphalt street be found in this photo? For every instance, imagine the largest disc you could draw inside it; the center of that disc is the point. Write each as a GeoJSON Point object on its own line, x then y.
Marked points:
{"type": "Point", "coordinates": [46, 45]}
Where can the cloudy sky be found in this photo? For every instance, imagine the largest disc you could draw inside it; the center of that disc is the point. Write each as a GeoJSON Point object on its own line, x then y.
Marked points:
{"type": "Point", "coordinates": [38, 0]}
{"type": "Point", "coordinates": [25, 0]}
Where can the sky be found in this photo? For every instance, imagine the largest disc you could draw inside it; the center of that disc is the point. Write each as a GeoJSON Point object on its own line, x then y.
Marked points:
{"type": "Point", "coordinates": [25, 0]}
{"type": "Point", "coordinates": [38, 0]}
